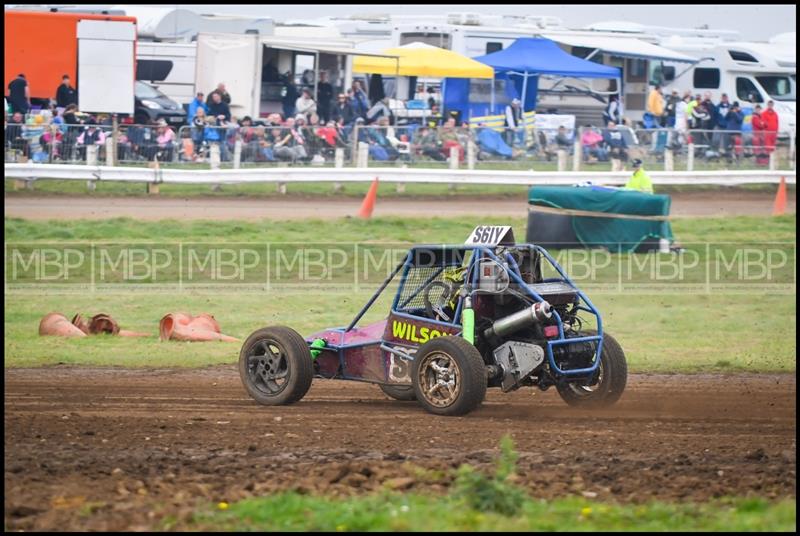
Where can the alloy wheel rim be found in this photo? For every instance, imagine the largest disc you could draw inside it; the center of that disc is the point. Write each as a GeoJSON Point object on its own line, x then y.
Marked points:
{"type": "Point", "coordinates": [440, 379]}
{"type": "Point", "coordinates": [268, 366]}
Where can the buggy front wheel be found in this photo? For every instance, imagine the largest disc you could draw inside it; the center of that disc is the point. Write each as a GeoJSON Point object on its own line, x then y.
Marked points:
{"type": "Point", "coordinates": [449, 376]}
{"type": "Point", "coordinates": [275, 366]}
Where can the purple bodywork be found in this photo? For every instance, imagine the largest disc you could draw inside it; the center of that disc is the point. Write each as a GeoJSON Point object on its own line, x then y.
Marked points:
{"type": "Point", "coordinates": [357, 354]}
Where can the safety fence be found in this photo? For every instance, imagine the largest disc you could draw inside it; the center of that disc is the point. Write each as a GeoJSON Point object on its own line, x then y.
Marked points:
{"type": "Point", "coordinates": [446, 147]}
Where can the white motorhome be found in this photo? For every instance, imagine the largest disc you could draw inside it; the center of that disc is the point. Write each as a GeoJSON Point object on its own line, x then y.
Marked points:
{"type": "Point", "coordinates": [745, 71]}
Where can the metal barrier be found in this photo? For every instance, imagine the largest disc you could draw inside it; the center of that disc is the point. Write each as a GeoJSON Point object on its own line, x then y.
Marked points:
{"type": "Point", "coordinates": [380, 145]}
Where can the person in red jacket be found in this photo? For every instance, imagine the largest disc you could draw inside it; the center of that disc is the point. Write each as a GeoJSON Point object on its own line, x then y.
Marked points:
{"type": "Point", "coordinates": [759, 129]}
{"type": "Point", "coordinates": [770, 118]}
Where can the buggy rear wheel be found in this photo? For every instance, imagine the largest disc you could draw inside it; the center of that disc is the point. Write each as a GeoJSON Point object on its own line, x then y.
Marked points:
{"type": "Point", "coordinates": [275, 366]}
{"type": "Point", "coordinates": [611, 381]}
{"type": "Point", "coordinates": [399, 392]}
{"type": "Point", "coordinates": [449, 376]}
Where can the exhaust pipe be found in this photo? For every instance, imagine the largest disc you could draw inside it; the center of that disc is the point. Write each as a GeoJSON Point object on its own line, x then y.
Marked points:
{"type": "Point", "coordinates": [537, 312]}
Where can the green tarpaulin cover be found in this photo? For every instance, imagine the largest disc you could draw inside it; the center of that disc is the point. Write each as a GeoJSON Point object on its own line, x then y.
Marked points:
{"type": "Point", "coordinates": [616, 234]}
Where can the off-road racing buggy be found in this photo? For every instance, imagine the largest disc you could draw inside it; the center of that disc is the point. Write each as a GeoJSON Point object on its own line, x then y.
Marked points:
{"type": "Point", "coordinates": [464, 318]}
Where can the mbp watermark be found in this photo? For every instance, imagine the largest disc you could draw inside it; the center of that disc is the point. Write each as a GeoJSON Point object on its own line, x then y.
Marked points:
{"type": "Point", "coordinates": [361, 267]}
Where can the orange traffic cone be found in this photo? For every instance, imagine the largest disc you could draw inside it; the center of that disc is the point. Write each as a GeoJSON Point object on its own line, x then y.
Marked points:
{"type": "Point", "coordinates": [779, 208]}
{"type": "Point", "coordinates": [369, 201]}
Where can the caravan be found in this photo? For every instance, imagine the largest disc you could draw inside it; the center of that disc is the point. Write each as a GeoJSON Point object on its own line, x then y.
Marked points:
{"type": "Point", "coordinates": [747, 72]}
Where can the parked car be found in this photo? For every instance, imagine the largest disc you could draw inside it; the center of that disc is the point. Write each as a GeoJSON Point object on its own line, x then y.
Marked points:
{"type": "Point", "coordinates": [152, 105]}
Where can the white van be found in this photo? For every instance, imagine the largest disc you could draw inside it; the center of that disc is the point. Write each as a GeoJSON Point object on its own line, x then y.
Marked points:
{"type": "Point", "coordinates": [743, 70]}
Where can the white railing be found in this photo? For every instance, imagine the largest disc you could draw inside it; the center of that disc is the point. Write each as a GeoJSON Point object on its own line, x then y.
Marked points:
{"type": "Point", "coordinates": [33, 172]}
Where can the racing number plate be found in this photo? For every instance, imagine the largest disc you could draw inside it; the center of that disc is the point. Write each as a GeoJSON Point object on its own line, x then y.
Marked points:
{"type": "Point", "coordinates": [491, 235]}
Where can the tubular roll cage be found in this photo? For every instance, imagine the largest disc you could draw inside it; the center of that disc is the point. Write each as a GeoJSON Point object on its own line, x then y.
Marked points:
{"type": "Point", "coordinates": [481, 252]}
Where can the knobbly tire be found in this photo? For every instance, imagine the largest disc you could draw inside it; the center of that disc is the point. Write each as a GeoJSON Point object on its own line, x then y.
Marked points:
{"type": "Point", "coordinates": [613, 378]}
{"type": "Point", "coordinates": [399, 392]}
{"type": "Point", "coordinates": [275, 366]}
{"type": "Point", "coordinates": [449, 376]}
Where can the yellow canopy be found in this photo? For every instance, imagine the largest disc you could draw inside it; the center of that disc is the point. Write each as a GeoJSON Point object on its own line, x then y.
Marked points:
{"type": "Point", "coordinates": [418, 59]}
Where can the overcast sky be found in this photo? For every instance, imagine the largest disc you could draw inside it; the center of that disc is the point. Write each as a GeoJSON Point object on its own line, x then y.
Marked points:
{"type": "Point", "coordinates": [754, 22]}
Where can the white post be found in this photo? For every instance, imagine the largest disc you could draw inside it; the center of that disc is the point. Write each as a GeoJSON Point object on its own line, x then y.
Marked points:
{"type": "Point", "coordinates": [363, 155]}
{"type": "Point", "coordinates": [690, 158]}
{"type": "Point", "coordinates": [91, 155]}
{"type": "Point", "coordinates": [453, 158]}
{"type": "Point", "coordinates": [616, 164]}
{"type": "Point", "coordinates": [669, 162]}
{"type": "Point", "coordinates": [237, 154]}
{"type": "Point", "coordinates": [773, 160]}
{"type": "Point", "coordinates": [471, 151]}
{"type": "Point", "coordinates": [562, 159]}
{"type": "Point", "coordinates": [214, 156]}
{"type": "Point", "coordinates": [577, 151]}
{"type": "Point", "coordinates": [109, 151]}
{"type": "Point", "coordinates": [338, 162]}
{"type": "Point", "coordinates": [91, 185]}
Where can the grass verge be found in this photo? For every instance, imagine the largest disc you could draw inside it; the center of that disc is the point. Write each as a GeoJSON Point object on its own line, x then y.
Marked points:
{"type": "Point", "coordinates": [480, 502]}
{"type": "Point", "coordinates": [668, 329]}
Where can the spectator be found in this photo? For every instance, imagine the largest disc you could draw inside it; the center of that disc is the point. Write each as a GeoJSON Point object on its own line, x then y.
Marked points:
{"type": "Point", "coordinates": [198, 130]}
{"type": "Point", "coordinates": [66, 94]}
{"type": "Point", "coordinates": [313, 143]}
{"type": "Point", "coordinates": [770, 118]}
{"type": "Point", "coordinates": [681, 115]}
{"type": "Point", "coordinates": [213, 134]}
{"type": "Point", "coordinates": [223, 94]}
{"type": "Point", "coordinates": [324, 97]}
{"type": "Point", "coordinates": [711, 122]}
{"type": "Point", "coordinates": [19, 95]}
{"type": "Point", "coordinates": [15, 134]}
{"type": "Point", "coordinates": [613, 111]}
{"type": "Point", "coordinates": [514, 124]}
{"type": "Point", "coordinates": [51, 142]}
{"type": "Point", "coordinates": [197, 104]}
{"type": "Point", "coordinates": [289, 94]}
{"type": "Point", "coordinates": [655, 104]}
{"type": "Point", "coordinates": [249, 136]}
{"type": "Point", "coordinates": [639, 181]}
{"type": "Point", "coordinates": [699, 118]}
{"type": "Point", "coordinates": [359, 99]}
{"type": "Point", "coordinates": [671, 108]}
{"type": "Point", "coordinates": [330, 134]}
{"type": "Point", "coordinates": [449, 139]}
{"type": "Point", "coordinates": [721, 119]}
{"type": "Point", "coordinates": [305, 104]}
{"type": "Point", "coordinates": [218, 108]}
{"type": "Point", "coordinates": [591, 142]}
{"type": "Point", "coordinates": [165, 138]}
{"type": "Point", "coordinates": [429, 144]}
{"type": "Point", "coordinates": [733, 124]}
{"type": "Point", "coordinates": [615, 142]}
{"type": "Point", "coordinates": [563, 141]}
{"type": "Point", "coordinates": [380, 148]}
{"type": "Point", "coordinates": [379, 111]}
{"type": "Point", "coordinates": [139, 142]}
{"type": "Point", "coordinates": [343, 111]}
{"type": "Point", "coordinates": [91, 135]}
{"type": "Point", "coordinates": [759, 134]}
{"type": "Point", "coordinates": [289, 144]}
{"type": "Point", "coordinates": [265, 142]}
